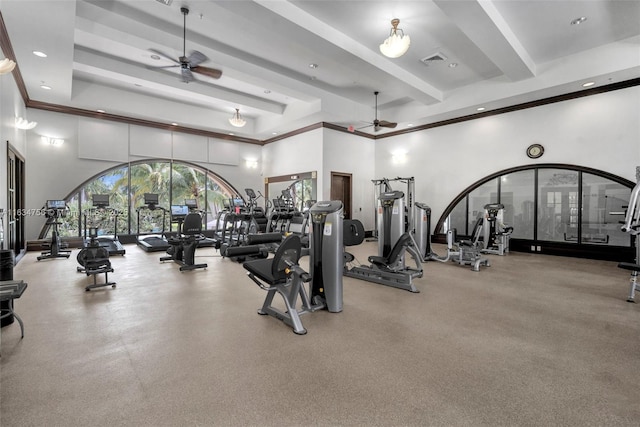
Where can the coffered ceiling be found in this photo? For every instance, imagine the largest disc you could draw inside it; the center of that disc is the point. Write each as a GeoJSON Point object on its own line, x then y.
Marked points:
{"type": "Point", "coordinates": [290, 64]}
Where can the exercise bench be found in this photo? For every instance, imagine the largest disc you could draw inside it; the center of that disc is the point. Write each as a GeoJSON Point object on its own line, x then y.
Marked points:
{"type": "Point", "coordinates": [10, 290]}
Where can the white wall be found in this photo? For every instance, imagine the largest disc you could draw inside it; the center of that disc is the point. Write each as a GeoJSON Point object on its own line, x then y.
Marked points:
{"type": "Point", "coordinates": [11, 106]}
{"type": "Point", "coordinates": [348, 153]}
{"type": "Point", "coordinates": [297, 154]}
{"type": "Point", "coordinates": [600, 132]}
{"type": "Point", "coordinates": [92, 146]}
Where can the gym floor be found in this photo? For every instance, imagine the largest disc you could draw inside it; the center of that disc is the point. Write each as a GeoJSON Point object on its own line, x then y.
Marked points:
{"type": "Point", "coordinates": [531, 340]}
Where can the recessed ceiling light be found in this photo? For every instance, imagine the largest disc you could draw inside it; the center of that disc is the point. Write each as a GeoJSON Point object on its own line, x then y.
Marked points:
{"type": "Point", "coordinates": [480, 109]}
{"type": "Point", "coordinates": [40, 54]}
{"type": "Point", "coordinates": [588, 84]}
{"type": "Point", "coordinates": [45, 87]}
{"type": "Point", "coordinates": [313, 65]}
{"type": "Point", "coordinates": [453, 65]}
{"type": "Point", "coordinates": [174, 124]}
{"type": "Point", "coordinates": [409, 125]}
{"type": "Point", "coordinates": [579, 21]}
{"type": "Point", "coordinates": [156, 57]}
{"type": "Point", "coordinates": [274, 133]}
{"type": "Point", "coordinates": [231, 133]}
{"type": "Point", "coordinates": [100, 111]}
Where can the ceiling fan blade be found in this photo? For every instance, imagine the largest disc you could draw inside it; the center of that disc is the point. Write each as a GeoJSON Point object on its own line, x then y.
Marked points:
{"type": "Point", "coordinates": [187, 76]}
{"type": "Point", "coordinates": [386, 124]}
{"type": "Point", "coordinates": [164, 55]}
{"type": "Point", "coordinates": [206, 71]}
{"type": "Point", "coordinates": [196, 58]}
{"type": "Point", "coordinates": [151, 67]}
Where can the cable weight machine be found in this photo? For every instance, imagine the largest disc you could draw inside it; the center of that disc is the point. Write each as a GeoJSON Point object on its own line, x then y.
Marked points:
{"type": "Point", "coordinates": [381, 186]}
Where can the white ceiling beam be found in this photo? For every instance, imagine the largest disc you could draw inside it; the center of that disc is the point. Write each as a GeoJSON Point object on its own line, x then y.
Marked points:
{"type": "Point", "coordinates": [166, 82]}
{"type": "Point", "coordinates": [425, 92]}
{"type": "Point", "coordinates": [481, 22]}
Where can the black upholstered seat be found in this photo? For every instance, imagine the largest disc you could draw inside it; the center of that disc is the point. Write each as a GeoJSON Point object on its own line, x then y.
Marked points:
{"type": "Point", "coordinates": [394, 256]}
{"type": "Point", "coordinates": [273, 270]}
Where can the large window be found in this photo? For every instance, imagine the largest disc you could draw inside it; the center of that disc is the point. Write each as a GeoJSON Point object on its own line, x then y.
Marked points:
{"type": "Point", "coordinates": [558, 205]}
{"type": "Point", "coordinates": [517, 194]}
{"type": "Point", "coordinates": [552, 209]}
{"type": "Point", "coordinates": [126, 185]}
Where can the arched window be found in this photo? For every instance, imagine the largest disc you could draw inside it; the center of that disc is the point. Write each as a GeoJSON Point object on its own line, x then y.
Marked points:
{"type": "Point", "coordinates": [126, 185]}
{"type": "Point", "coordinates": [553, 208]}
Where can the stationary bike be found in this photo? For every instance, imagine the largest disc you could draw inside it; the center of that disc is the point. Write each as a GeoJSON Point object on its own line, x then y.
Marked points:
{"type": "Point", "coordinates": [183, 247]}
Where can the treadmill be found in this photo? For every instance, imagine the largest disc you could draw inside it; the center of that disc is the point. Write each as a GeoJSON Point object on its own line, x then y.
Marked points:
{"type": "Point", "coordinates": [154, 240]}
{"type": "Point", "coordinates": [100, 213]}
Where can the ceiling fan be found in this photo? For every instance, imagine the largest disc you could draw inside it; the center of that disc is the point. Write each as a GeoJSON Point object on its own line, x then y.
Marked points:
{"type": "Point", "coordinates": [377, 124]}
{"type": "Point", "coordinates": [189, 64]}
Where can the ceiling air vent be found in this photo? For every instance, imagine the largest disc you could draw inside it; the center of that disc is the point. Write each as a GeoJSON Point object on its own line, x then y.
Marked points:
{"type": "Point", "coordinates": [433, 59]}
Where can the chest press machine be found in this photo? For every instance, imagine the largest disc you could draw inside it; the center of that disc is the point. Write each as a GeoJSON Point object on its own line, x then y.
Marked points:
{"type": "Point", "coordinates": [282, 274]}
{"type": "Point", "coordinates": [632, 226]}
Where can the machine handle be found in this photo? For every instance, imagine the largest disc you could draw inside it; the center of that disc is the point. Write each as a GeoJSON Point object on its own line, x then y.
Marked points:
{"type": "Point", "coordinates": [297, 270]}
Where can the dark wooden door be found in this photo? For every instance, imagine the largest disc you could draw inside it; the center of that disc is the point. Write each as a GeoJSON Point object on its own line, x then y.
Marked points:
{"type": "Point", "coordinates": [341, 190]}
{"type": "Point", "coordinates": [14, 226]}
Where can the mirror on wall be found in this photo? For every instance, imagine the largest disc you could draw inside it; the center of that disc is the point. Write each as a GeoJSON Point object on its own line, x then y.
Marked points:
{"type": "Point", "coordinates": [298, 188]}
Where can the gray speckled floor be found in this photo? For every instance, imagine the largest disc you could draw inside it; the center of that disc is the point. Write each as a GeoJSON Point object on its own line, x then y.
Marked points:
{"type": "Point", "coordinates": [531, 340]}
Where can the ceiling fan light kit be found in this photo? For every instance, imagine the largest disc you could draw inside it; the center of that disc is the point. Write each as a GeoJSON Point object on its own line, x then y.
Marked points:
{"type": "Point", "coordinates": [397, 43]}
{"type": "Point", "coordinates": [237, 119]}
{"type": "Point", "coordinates": [7, 66]}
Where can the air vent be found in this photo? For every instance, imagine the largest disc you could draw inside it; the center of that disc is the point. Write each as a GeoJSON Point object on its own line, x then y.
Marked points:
{"type": "Point", "coordinates": [167, 2]}
{"type": "Point", "coordinates": [433, 59]}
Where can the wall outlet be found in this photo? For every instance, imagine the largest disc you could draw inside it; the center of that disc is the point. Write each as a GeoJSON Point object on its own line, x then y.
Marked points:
{"type": "Point", "coordinates": [533, 248]}
{"type": "Point", "coordinates": [539, 248]}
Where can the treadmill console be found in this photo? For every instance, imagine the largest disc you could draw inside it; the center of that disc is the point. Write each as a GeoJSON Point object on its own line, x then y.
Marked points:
{"type": "Point", "coordinates": [151, 199]}
{"type": "Point", "coordinates": [100, 200]}
{"type": "Point", "coordinates": [179, 212]}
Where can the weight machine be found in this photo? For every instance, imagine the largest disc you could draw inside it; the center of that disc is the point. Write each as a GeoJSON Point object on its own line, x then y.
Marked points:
{"type": "Point", "coordinates": [55, 209]}
{"type": "Point", "coordinates": [631, 225]}
{"type": "Point", "coordinates": [394, 242]}
{"type": "Point", "coordinates": [495, 234]}
{"type": "Point", "coordinates": [383, 185]}
{"type": "Point", "coordinates": [283, 275]}
{"type": "Point", "coordinates": [463, 252]}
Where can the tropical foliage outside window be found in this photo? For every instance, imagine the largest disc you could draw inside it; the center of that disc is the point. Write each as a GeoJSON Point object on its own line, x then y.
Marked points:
{"type": "Point", "coordinates": [174, 182]}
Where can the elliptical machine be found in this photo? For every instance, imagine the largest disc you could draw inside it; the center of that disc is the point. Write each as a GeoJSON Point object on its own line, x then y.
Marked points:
{"type": "Point", "coordinates": [55, 209]}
